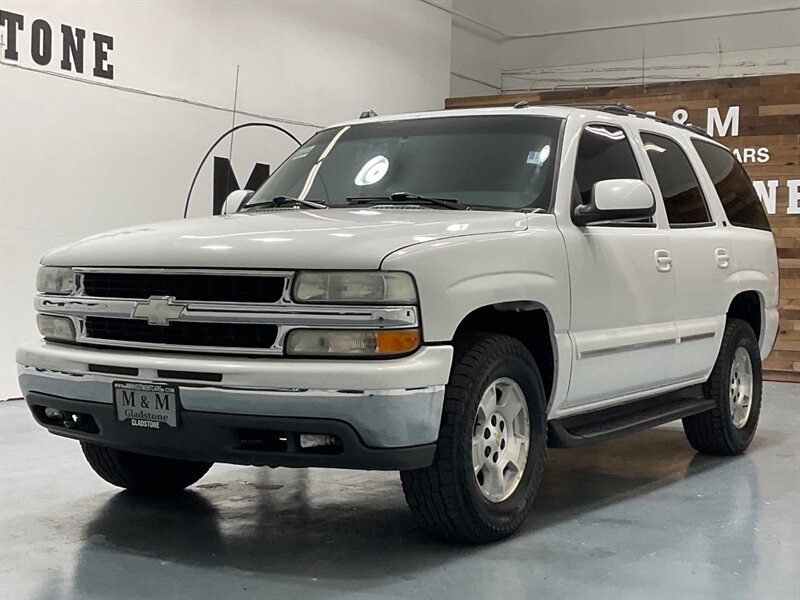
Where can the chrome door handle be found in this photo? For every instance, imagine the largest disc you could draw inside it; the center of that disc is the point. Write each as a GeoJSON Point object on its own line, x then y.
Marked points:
{"type": "Point", "coordinates": [663, 261]}
{"type": "Point", "coordinates": [723, 258]}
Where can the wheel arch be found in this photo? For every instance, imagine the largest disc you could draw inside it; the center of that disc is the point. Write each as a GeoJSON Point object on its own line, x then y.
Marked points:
{"type": "Point", "coordinates": [748, 305]}
{"type": "Point", "coordinates": [528, 321]}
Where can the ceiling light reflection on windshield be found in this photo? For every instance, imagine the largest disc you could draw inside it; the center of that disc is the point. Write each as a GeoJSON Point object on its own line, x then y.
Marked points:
{"type": "Point", "coordinates": [539, 158]}
{"type": "Point", "coordinates": [373, 171]}
{"type": "Point", "coordinates": [544, 153]}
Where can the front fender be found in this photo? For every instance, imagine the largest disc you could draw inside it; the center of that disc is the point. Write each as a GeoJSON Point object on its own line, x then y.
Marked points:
{"type": "Point", "coordinates": [459, 275]}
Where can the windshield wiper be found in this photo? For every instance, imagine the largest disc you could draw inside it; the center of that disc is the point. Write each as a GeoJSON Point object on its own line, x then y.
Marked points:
{"type": "Point", "coordinates": [405, 197]}
{"type": "Point", "coordinates": [279, 201]}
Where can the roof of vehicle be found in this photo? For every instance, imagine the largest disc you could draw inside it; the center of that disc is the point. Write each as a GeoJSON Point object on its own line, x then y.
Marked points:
{"type": "Point", "coordinates": [619, 110]}
{"type": "Point", "coordinates": [549, 111]}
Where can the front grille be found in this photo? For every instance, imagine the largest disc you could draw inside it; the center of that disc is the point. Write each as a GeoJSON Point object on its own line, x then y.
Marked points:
{"type": "Point", "coordinates": [200, 287]}
{"type": "Point", "coordinates": [225, 335]}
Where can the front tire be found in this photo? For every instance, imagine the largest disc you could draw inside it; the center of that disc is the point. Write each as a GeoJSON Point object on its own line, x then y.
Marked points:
{"type": "Point", "coordinates": [141, 472]}
{"type": "Point", "coordinates": [735, 384]}
{"type": "Point", "coordinates": [492, 443]}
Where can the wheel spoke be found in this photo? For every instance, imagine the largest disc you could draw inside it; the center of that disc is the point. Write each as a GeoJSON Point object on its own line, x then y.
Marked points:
{"type": "Point", "coordinates": [515, 414]}
{"type": "Point", "coordinates": [477, 455]}
{"type": "Point", "coordinates": [489, 401]}
{"type": "Point", "coordinates": [497, 483]}
{"type": "Point", "coordinates": [521, 454]}
{"type": "Point", "coordinates": [480, 419]}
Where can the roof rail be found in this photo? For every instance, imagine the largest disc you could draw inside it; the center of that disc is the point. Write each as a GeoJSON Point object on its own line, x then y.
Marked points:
{"type": "Point", "coordinates": [624, 109]}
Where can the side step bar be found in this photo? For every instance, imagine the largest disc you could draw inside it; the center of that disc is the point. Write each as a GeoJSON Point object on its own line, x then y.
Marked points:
{"type": "Point", "coordinates": [609, 423]}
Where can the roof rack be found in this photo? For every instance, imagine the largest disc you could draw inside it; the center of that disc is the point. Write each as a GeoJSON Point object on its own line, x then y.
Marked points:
{"type": "Point", "coordinates": [624, 109]}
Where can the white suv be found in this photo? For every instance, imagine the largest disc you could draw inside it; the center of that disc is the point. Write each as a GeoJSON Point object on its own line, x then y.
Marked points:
{"type": "Point", "coordinates": [444, 294]}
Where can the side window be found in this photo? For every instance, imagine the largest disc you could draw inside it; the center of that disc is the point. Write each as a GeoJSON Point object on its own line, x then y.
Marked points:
{"type": "Point", "coordinates": [604, 153]}
{"type": "Point", "coordinates": [734, 188]}
{"type": "Point", "coordinates": [683, 198]}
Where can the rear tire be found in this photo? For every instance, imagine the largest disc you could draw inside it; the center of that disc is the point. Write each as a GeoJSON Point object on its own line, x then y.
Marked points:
{"type": "Point", "coordinates": [480, 487]}
{"type": "Point", "coordinates": [735, 384]}
{"type": "Point", "coordinates": [141, 472]}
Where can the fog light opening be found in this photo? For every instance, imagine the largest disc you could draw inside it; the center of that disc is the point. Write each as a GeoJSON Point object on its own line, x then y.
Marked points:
{"type": "Point", "coordinates": [315, 440]}
{"type": "Point", "coordinates": [53, 414]}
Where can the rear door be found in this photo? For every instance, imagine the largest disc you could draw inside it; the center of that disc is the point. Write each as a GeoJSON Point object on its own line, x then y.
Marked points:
{"type": "Point", "coordinates": [747, 225]}
{"type": "Point", "coordinates": [703, 257]}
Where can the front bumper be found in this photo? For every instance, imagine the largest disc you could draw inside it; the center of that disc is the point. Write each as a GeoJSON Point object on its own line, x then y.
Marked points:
{"type": "Point", "coordinates": [383, 404]}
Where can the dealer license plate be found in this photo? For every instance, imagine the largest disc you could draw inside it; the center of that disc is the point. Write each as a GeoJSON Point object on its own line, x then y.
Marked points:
{"type": "Point", "coordinates": [146, 405]}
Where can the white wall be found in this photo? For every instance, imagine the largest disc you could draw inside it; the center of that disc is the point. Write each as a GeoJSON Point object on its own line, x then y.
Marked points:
{"type": "Point", "coordinates": [82, 155]}
{"type": "Point", "coordinates": [476, 66]}
{"type": "Point", "coordinates": [476, 61]}
{"type": "Point", "coordinates": [615, 51]}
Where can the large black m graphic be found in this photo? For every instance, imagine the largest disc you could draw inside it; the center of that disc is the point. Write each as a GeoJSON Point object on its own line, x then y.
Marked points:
{"type": "Point", "coordinates": [225, 181]}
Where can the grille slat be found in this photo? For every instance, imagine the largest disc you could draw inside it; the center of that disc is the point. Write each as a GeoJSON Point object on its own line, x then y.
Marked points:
{"type": "Point", "coordinates": [224, 335]}
{"type": "Point", "coordinates": [189, 287]}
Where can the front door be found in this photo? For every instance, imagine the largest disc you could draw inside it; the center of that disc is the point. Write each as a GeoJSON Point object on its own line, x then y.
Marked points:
{"type": "Point", "coordinates": [622, 282]}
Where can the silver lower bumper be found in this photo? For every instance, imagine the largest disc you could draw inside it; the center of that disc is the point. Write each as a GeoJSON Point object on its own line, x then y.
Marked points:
{"type": "Point", "coordinates": [390, 403]}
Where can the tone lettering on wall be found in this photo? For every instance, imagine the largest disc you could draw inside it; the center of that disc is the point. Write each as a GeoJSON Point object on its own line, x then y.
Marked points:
{"type": "Point", "coordinates": [61, 45]}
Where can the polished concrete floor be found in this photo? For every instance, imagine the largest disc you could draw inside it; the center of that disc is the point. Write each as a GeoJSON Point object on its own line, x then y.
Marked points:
{"type": "Point", "coordinates": [639, 517]}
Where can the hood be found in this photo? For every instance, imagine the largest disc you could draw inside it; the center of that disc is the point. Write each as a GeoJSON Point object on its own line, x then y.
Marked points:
{"type": "Point", "coordinates": [335, 238]}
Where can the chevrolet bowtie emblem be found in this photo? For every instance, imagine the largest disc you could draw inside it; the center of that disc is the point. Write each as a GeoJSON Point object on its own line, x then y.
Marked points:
{"type": "Point", "coordinates": [159, 310]}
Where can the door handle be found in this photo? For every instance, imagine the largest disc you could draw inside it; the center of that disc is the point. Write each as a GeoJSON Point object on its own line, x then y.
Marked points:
{"type": "Point", "coordinates": [723, 258]}
{"type": "Point", "coordinates": [663, 261]}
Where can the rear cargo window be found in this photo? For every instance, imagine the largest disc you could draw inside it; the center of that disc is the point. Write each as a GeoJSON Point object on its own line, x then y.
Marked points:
{"type": "Point", "coordinates": [734, 188]}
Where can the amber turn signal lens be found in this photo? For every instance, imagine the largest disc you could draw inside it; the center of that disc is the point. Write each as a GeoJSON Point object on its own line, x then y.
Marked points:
{"type": "Point", "coordinates": [397, 341]}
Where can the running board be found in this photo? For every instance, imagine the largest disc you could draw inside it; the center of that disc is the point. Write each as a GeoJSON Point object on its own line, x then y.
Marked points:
{"type": "Point", "coordinates": [609, 423]}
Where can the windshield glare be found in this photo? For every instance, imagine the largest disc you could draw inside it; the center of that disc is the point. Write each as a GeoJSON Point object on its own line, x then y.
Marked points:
{"type": "Point", "coordinates": [493, 162]}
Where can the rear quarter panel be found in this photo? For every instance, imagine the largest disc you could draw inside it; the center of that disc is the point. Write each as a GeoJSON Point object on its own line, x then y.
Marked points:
{"type": "Point", "coordinates": [757, 269]}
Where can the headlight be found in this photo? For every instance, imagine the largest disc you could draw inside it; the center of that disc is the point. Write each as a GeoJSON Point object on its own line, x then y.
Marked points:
{"type": "Point", "coordinates": [340, 342]}
{"type": "Point", "coordinates": [56, 328]}
{"type": "Point", "coordinates": [55, 280]}
{"type": "Point", "coordinates": [354, 287]}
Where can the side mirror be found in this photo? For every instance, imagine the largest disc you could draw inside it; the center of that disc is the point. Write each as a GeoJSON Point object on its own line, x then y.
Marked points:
{"type": "Point", "coordinates": [235, 200]}
{"type": "Point", "coordinates": [616, 200]}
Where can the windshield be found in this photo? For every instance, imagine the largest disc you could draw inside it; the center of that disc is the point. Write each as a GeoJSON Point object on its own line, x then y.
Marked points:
{"type": "Point", "coordinates": [491, 162]}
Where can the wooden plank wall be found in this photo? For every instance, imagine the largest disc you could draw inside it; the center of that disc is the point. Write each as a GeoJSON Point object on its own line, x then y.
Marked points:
{"type": "Point", "coordinates": [769, 118]}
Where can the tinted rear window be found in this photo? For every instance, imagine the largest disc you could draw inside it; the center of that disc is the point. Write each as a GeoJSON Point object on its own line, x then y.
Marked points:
{"type": "Point", "coordinates": [734, 188]}
{"type": "Point", "coordinates": [682, 196]}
